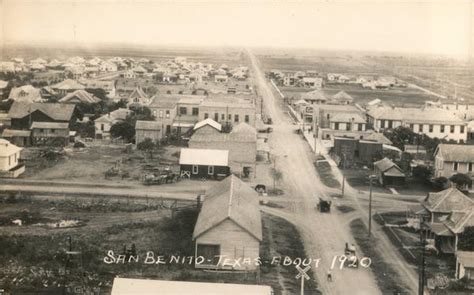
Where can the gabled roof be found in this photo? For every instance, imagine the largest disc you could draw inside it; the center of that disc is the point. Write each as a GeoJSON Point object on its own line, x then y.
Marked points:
{"type": "Point", "coordinates": [457, 221]}
{"type": "Point", "coordinates": [25, 93]}
{"type": "Point", "coordinates": [147, 125]}
{"type": "Point", "coordinates": [315, 95]}
{"type": "Point", "coordinates": [68, 84]}
{"type": "Point", "coordinates": [448, 200]}
{"type": "Point", "coordinates": [138, 93]}
{"type": "Point", "coordinates": [342, 95]}
{"type": "Point", "coordinates": [455, 152]}
{"type": "Point", "coordinates": [230, 199]}
{"type": "Point", "coordinates": [208, 122]}
{"type": "Point", "coordinates": [56, 111]}
{"type": "Point", "coordinates": [7, 149]}
{"type": "Point", "coordinates": [385, 164]}
{"type": "Point", "coordinates": [378, 137]}
{"type": "Point", "coordinates": [82, 96]}
{"type": "Point", "coordinates": [208, 157]}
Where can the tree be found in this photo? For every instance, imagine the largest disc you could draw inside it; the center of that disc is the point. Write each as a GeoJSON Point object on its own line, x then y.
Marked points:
{"type": "Point", "coordinates": [461, 180]}
{"type": "Point", "coordinates": [124, 130]}
{"type": "Point", "coordinates": [466, 239]}
{"type": "Point", "coordinates": [84, 129]}
{"type": "Point", "coordinates": [147, 146]}
{"type": "Point", "coordinates": [440, 182]}
{"type": "Point", "coordinates": [98, 92]}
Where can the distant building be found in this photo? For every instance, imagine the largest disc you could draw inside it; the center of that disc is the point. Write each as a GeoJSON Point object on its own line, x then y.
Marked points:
{"type": "Point", "coordinates": [25, 93]}
{"type": "Point", "coordinates": [44, 133]}
{"type": "Point", "coordinates": [228, 110]}
{"type": "Point", "coordinates": [80, 96]}
{"type": "Point", "coordinates": [9, 160]}
{"type": "Point", "coordinates": [67, 86]}
{"type": "Point", "coordinates": [221, 78]}
{"type": "Point", "coordinates": [448, 213]}
{"type": "Point", "coordinates": [388, 173]}
{"type": "Point", "coordinates": [339, 120]}
{"type": "Point", "coordinates": [451, 159]}
{"type": "Point", "coordinates": [105, 122]}
{"type": "Point", "coordinates": [314, 97]}
{"type": "Point", "coordinates": [138, 98]}
{"type": "Point", "coordinates": [433, 122]}
{"type": "Point", "coordinates": [22, 114]}
{"type": "Point", "coordinates": [241, 144]}
{"type": "Point", "coordinates": [351, 151]}
{"type": "Point", "coordinates": [107, 86]}
{"type": "Point", "coordinates": [204, 163]}
{"type": "Point", "coordinates": [229, 224]}
{"type": "Point", "coordinates": [148, 129]}
{"type": "Point", "coordinates": [312, 82]}
{"type": "Point", "coordinates": [341, 98]}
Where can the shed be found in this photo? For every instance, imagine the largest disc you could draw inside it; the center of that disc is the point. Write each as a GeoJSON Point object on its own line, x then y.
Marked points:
{"type": "Point", "coordinates": [147, 129]}
{"type": "Point", "coordinates": [465, 265]}
{"type": "Point", "coordinates": [124, 286]}
{"type": "Point", "coordinates": [204, 163]}
{"type": "Point", "coordinates": [229, 225]}
{"type": "Point", "coordinates": [388, 173]}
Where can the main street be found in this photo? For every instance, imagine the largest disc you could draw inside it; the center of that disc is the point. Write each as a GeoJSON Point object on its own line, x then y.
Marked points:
{"type": "Point", "coordinates": [324, 235]}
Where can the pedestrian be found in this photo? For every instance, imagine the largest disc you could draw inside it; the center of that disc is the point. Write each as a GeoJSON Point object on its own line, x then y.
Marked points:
{"type": "Point", "coordinates": [329, 276]}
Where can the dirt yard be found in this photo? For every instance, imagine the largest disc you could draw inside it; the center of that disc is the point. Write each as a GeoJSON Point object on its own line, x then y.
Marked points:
{"type": "Point", "coordinates": [92, 162]}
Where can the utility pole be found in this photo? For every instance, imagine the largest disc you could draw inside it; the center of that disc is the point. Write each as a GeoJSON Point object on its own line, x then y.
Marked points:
{"type": "Point", "coordinates": [370, 206]}
{"type": "Point", "coordinates": [421, 286]}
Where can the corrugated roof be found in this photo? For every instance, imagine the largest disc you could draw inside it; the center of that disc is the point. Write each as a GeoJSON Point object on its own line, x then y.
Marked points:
{"type": "Point", "coordinates": [56, 111]}
{"type": "Point", "coordinates": [455, 152]}
{"type": "Point", "coordinates": [234, 200]}
{"type": "Point", "coordinates": [207, 157]}
{"type": "Point", "coordinates": [7, 149]}
{"type": "Point", "coordinates": [448, 200]}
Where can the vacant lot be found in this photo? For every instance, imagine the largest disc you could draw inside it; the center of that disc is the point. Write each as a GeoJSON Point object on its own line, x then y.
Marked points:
{"type": "Point", "coordinates": [92, 162]}
{"type": "Point", "coordinates": [37, 261]}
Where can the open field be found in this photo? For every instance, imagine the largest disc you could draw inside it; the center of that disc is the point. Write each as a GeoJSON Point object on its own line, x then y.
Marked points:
{"type": "Point", "coordinates": [37, 258]}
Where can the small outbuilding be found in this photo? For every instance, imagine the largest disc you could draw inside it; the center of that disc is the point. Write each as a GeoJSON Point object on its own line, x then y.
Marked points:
{"type": "Point", "coordinates": [229, 225]}
{"type": "Point", "coordinates": [465, 265]}
{"type": "Point", "coordinates": [147, 129]}
{"type": "Point", "coordinates": [204, 163]}
{"type": "Point", "coordinates": [388, 173]}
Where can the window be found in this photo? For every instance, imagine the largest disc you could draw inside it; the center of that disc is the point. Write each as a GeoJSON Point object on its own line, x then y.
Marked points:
{"type": "Point", "coordinates": [247, 118]}
{"type": "Point", "coordinates": [195, 111]}
{"type": "Point", "coordinates": [210, 170]}
{"type": "Point", "coordinates": [195, 169]}
{"type": "Point", "coordinates": [154, 114]}
{"type": "Point", "coordinates": [441, 128]}
{"type": "Point", "coordinates": [229, 117]}
{"type": "Point", "coordinates": [462, 129]}
{"type": "Point", "coordinates": [206, 115]}
{"type": "Point", "coordinates": [412, 127]}
{"type": "Point", "coordinates": [455, 166]}
{"type": "Point", "coordinates": [469, 167]}
{"type": "Point", "coordinates": [210, 253]}
{"type": "Point", "coordinates": [102, 127]}
{"type": "Point", "coordinates": [348, 126]}
{"type": "Point", "coordinates": [382, 123]}
{"type": "Point", "coordinates": [451, 129]}
{"type": "Point", "coordinates": [167, 113]}
{"type": "Point", "coordinates": [9, 160]}
{"type": "Point", "coordinates": [359, 127]}
{"type": "Point", "coordinates": [41, 130]}
{"type": "Point", "coordinates": [222, 117]}
{"type": "Point", "coordinates": [161, 114]}
{"type": "Point", "coordinates": [390, 124]}
{"type": "Point", "coordinates": [183, 110]}
{"type": "Point", "coordinates": [430, 128]}
{"type": "Point", "coordinates": [216, 117]}
{"type": "Point", "coordinates": [336, 126]}
{"type": "Point", "coordinates": [236, 118]}
{"type": "Point", "coordinates": [420, 127]}
{"type": "Point", "coordinates": [52, 130]}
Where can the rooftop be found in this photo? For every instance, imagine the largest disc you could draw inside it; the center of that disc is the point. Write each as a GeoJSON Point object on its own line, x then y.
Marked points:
{"type": "Point", "coordinates": [455, 152]}
{"type": "Point", "coordinates": [208, 157]}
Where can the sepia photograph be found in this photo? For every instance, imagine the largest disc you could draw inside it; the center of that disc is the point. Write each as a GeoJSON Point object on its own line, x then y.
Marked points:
{"type": "Point", "coordinates": [237, 147]}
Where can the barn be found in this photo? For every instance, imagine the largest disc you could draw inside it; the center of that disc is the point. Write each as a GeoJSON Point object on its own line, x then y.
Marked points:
{"type": "Point", "coordinates": [229, 225]}
{"type": "Point", "coordinates": [204, 163]}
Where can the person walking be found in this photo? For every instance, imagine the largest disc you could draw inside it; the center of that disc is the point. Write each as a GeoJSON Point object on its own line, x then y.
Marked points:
{"type": "Point", "coordinates": [329, 276]}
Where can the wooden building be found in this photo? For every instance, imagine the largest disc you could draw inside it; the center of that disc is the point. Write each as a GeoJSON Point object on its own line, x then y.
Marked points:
{"type": "Point", "coordinates": [22, 115]}
{"type": "Point", "coordinates": [204, 163]}
{"type": "Point", "coordinates": [147, 129]}
{"type": "Point", "coordinates": [229, 224]}
{"type": "Point", "coordinates": [388, 173]}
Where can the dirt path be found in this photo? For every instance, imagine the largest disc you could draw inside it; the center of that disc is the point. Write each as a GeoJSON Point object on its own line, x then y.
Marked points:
{"type": "Point", "coordinates": [324, 235]}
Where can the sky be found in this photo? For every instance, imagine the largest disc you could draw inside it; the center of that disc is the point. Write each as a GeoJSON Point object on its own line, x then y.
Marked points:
{"type": "Point", "coordinates": [437, 26]}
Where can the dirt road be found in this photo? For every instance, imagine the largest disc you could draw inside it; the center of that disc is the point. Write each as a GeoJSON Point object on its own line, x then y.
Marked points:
{"type": "Point", "coordinates": [324, 235]}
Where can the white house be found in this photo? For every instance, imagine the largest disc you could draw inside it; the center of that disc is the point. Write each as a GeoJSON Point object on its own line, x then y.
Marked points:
{"type": "Point", "coordinates": [9, 159]}
{"type": "Point", "coordinates": [104, 123]}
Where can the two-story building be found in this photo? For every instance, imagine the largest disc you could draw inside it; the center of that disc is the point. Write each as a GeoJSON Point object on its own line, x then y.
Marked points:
{"type": "Point", "coordinates": [339, 120]}
{"type": "Point", "coordinates": [228, 110]}
{"type": "Point", "coordinates": [452, 159]}
{"type": "Point", "coordinates": [433, 122]}
{"type": "Point", "coordinates": [45, 133]}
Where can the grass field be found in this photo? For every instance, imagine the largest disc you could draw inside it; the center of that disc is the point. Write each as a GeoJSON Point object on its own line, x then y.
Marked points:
{"type": "Point", "coordinates": [36, 259]}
